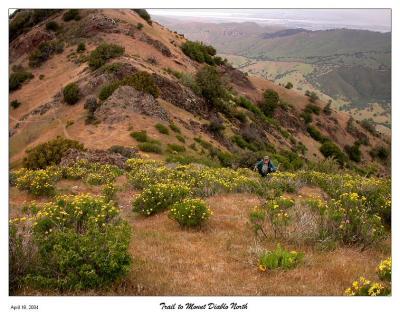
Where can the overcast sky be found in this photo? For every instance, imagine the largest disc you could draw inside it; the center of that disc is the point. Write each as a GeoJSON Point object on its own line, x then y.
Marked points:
{"type": "Point", "coordinates": [370, 19]}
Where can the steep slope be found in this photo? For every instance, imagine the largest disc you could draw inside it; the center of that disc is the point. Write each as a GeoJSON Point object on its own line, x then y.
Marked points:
{"type": "Point", "coordinates": [152, 48]}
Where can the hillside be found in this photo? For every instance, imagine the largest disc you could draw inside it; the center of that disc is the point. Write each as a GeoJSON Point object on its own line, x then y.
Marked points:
{"type": "Point", "coordinates": [115, 119]}
{"type": "Point", "coordinates": [352, 67]}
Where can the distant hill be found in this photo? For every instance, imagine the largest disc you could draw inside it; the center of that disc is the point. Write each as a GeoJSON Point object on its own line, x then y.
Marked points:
{"type": "Point", "coordinates": [350, 65]}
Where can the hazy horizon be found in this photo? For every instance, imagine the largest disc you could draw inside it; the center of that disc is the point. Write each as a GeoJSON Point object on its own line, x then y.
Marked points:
{"type": "Point", "coordinates": [312, 19]}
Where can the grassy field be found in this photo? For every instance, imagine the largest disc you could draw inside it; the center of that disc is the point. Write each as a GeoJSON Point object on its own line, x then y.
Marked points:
{"type": "Point", "coordinates": [220, 256]}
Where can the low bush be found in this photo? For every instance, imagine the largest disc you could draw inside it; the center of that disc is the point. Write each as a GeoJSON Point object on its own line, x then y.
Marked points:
{"type": "Point", "coordinates": [180, 138]}
{"type": "Point", "coordinates": [312, 109]}
{"type": "Point", "coordinates": [144, 15]}
{"type": "Point", "coordinates": [279, 259]}
{"type": "Point", "coordinates": [150, 147]}
{"type": "Point", "coordinates": [384, 270]}
{"type": "Point", "coordinates": [330, 149]}
{"type": "Point", "coordinates": [211, 85]}
{"type": "Point", "coordinates": [174, 128]}
{"type": "Point", "coordinates": [307, 117]}
{"type": "Point", "coordinates": [191, 212]}
{"type": "Point", "coordinates": [15, 104]}
{"type": "Point", "coordinates": [109, 192]}
{"type": "Point", "coordinates": [52, 26]}
{"type": "Point", "coordinates": [369, 125]}
{"type": "Point", "coordinates": [158, 197]}
{"type": "Point", "coordinates": [316, 134]}
{"type": "Point", "coordinates": [49, 153]}
{"type": "Point", "coordinates": [140, 136]}
{"type": "Point", "coordinates": [108, 89]}
{"type": "Point", "coordinates": [80, 243]}
{"type": "Point", "coordinates": [71, 93]}
{"type": "Point", "coordinates": [37, 182]}
{"type": "Point", "coordinates": [289, 85]}
{"type": "Point", "coordinates": [81, 47]}
{"type": "Point", "coordinates": [176, 148]}
{"type": "Point", "coordinates": [327, 109]}
{"type": "Point", "coordinates": [380, 152]}
{"type": "Point", "coordinates": [103, 53]}
{"type": "Point", "coordinates": [141, 81]}
{"type": "Point", "coordinates": [71, 14]}
{"type": "Point", "coordinates": [44, 51]}
{"type": "Point", "coordinates": [199, 52]}
{"type": "Point", "coordinates": [161, 128]}
{"type": "Point", "coordinates": [353, 152]}
{"type": "Point", "coordinates": [91, 106]}
{"type": "Point", "coordinates": [313, 97]}
{"type": "Point", "coordinates": [139, 26]}
{"type": "Point", "coordinates": [18, 78]}
{"type": "Point", "coordinates": [270, 102]}
{"type": "Point", "coordinates": [91, 173]}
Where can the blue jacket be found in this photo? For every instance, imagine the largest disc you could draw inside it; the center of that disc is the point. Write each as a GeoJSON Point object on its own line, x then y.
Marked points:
{"type": "Point", "coordinates": [271, 167]}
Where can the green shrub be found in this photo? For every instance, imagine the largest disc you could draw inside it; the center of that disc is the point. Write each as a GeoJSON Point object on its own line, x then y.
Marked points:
{"type": "Point", "coordinates": [241, 116]}
{"type": "Point", "coordinates": [44, 51]}
{"type": "Point", "coordinates": [176, 148]}
{"type": "Point", "coordinates": [270, 102]}
{"type": "Point", "coordinates": [316, 134]}
{"type": "Point", "coordinates": [52, 26]}
{"type": "Point", "coordinates": [81, 47]}
{"type": "Point", "coordinates": [211, 84]}
{"type": "Point", "coordinates": [279, 258]}
{"type": "Point", "coordinates": [191, 212]}
{"type": "Point", "coordinates": [103, 53]}
{"type": "Point", "coordinates": [199, 52]}
{"type": "Point", "coordinates": [313, 97]}
{"type": "Point", "coordinates": [380, 152]}
{"type": "Point", "coordinates": [330, 149]}
{"type": "Point", "coordinates": [144, 15]}
{"type": "Point", "coordinates": [307, 117]}
{"type": "Point", "coordinates": [108, 89]}
{"type": "Point", "coordinates": [312, 109]}
{"type": "Point", "coordinates": [158, 197]}
{"type": "Point", "coordinates": [91, 106]}
{"type": "Point", "coordinates": [180, 138]}
{"type": "Point", "coordinates": [49, 153]}
{"type": "Point", "coordinates": [15, 104]}
{"type": "Point", "coordinates": [141, 81]}
{"type": "Point", "coordinates": [353, 152]}
{"type": "Point", "coordinates": [174, 128]}
{"type": "Point", "coordinates": [41, 76]}
{"type": "Point", "coordinates": [161, 128]}
{"type": "Point", "coordinates": [139, 26]}
{"type": "Point", "coordinates": [327, 109]}
{"type": "Point", "coordinates": [369, 125]}
{"type": "Point", "coordinates": [140, 136]}
{"type": "Point", "coordinates": [289, 85]}
{"type": "Point", "coordinates": [71, 14]}
{"type": "Point", "coordinates": [71, 93]}
{"type": "Point", "coordinates": [18, 78]}
{"type": "Point", "coordinates": [80, 243]}
{"type": "Point", "coordinates": [150, 147]}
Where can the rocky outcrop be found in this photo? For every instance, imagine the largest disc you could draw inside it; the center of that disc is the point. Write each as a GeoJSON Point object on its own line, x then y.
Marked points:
{"type": "Point", "coordinates": [127, 100]}
{"type": "Point", "coordinates": [93, 156]}
{"type": "Point", "coordinates": [180, 96]}
{"type": "Point", "coordinates": [26, 43]}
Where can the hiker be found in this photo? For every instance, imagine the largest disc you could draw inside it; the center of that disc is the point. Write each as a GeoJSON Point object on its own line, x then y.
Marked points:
{"type": "Point", "coordinates": [265, 166]}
